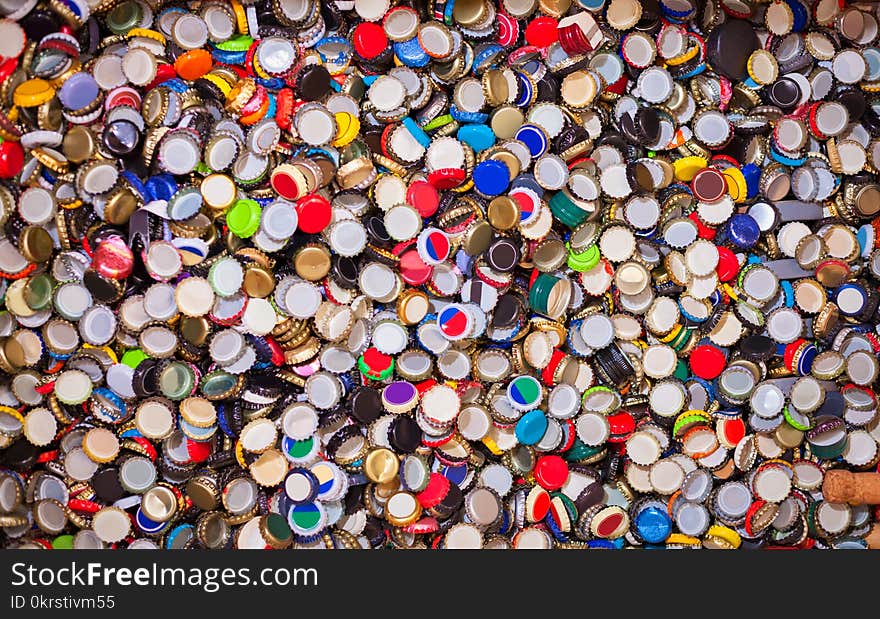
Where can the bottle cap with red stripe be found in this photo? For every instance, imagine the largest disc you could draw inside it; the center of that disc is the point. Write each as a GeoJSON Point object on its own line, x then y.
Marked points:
{"type": "Point", "coordinates": [455, 322]}
{"type": "Point", "coordinates": [433, 246]}
{"type": "Point", "coordinates": [529, 204]}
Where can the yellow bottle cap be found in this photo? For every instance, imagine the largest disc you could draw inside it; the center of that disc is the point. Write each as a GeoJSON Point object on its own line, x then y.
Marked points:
{"type": "Point", "coordinates": [33, 92]}
{"type": "Point", "coordinates": [687, 167]}
{"type": "Point", "coordinates": [736, 184]}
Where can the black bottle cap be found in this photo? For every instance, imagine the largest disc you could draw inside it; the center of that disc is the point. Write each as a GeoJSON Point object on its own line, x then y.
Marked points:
{"type": "Point", "coordinates": [592, 495]}
{"type": "Point", "coordinates": [405, 435]}
{"type": "Point", "coordinates": [345, 271]}
{"type": "Point", "coordinates": [143, 380]}
{"type": "Point", "coordinates": [366, 405]}
{"type": "Point", "coordinates": [784, 93]}
{"type": "Point", "coordinates": [376, 231]}
{"type": "Point", "coordinates": [853, 100]}
{"type": "Point", "coordinates": [757, 348]}
{"type": "Point", "coordinates": [833, 405]}
{"type": "Point", "coordinates": [20, 455]}
{"type": "Point", "coordinates": [503, 255]}
{"type": "Point", "coordinates": [120, 137]}
{"type": "Point", "coordinates": [729, 47]}
{"type": "Point", "coordinates": [313, 82]}
{"type": "Point", "coordinates": [106, 485]}
{"type": "Point", "coordinates": [506, 312]}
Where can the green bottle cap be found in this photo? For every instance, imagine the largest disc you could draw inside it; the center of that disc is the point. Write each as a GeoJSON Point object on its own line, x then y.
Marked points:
{"type": "Point", "coordinates": [244, 218]}
{"type": "Point", "coordinates": [238, 43]}
{"type": "Point", "coordinates": [681, 370]}
{"type": "Point", "coordinates": [63, 542]}
{"type": "Point", "coordinates": [176, 381]}
{"type": "Point", "coordinates": [38, 292]}
{"type": "Point", "coordinates": [133, 357]}
{"type": "Point", "coordinates": [124, 17]}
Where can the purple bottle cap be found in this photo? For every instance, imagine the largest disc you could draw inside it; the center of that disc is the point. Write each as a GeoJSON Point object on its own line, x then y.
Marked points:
{"type": "Point", "coordinates": [78, 91]}
{"type": "Point", "coordinates": [400, 395]}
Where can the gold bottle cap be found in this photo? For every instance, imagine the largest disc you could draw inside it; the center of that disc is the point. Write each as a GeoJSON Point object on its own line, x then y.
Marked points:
{"type": "Point", "coordinates": [867, 200]}
{"type": "Point", "coordinates": [203, 492]}
{"type": "Point", "coordinates": [312, 262]}
{"type": "Point", "coordinates": [159, 504]}
{"type": "Point", "coordinates": [100, 445]}
{"type": "Point", "coordinates": [195, 329]}
{"type": "Point", "coordinates": [788, 437]}
{"type": "Point", "coordinates": [554, 8]}
{"type": "Point", "coordinates": [505, 121]}
{"type": "Point", "coordinates": [35, 244]}
{"type": "Point", "coordinates": [198, 412]}
{"type": "Point", "coordinates": [503, 213]}
{"type": "Point", "coordinates": [412, 306]}
{"type": "Point", "coordinates": [549, 255]}
{"type": "Point", "coordinates": [402, 509]}
{"type": "Point", "coordinates": [509, 159]}
{"type": "Point", "coordinates": [212, 530]}
{"type": "Point", "coordinates": [12, 355]}
{"type": "Point", "coordinates": [269, 469]}
{"type": "Point", "coordinates": [120, 206]}
{"type": "Point", "coordinates": [15, 298]}
{"type": "Point", "coordinates": [78, 144]}
{"type": "Point", "coordinates": [495, 87]}
{"type": "Point", "coordinates": [258, 282]}
{"type": "Point", "coordinates": [469, 12]}
{"type": "Point", "coordinates": [477, 237]}
{"type": "Point", "coordinates": [381, 465]}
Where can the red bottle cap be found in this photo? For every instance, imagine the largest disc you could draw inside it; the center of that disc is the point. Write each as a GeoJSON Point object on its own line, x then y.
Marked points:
{"type": "Point", "coordinates": [551, 472]}
{"type": "Point", "coordinates": [7, 68]}
{"type": "Point", "coordinates": [707, 361]}
{"type": "Point", "coordinates": [423, 197]}
{"type": "Point", "coordinates": [314, 213]}
{"type": "Point", "coordinates": [732, 430]}
{"type": "Point", "coordinates": [164, 72]}
{"type": "Point", "coordinates": [622, 425]}
{"type": "Point", "coordinates": [703, 231]}
{"type": "Point", "coordinates": [447, 178]}
{"type": "Point", "coordinates": [413, 269]}
{"type": "Point", "coordinates": [728, 265]}
{"type": "Point", "coordinates": [790, 351]}
{"type": "Point", "coordinates": [198, 450]}
{"type": "Point", "coordinates": [369, 40]}
{"type": "Point", "coordinates": [434, 492]}
{"type": "Point", "coordinates": [541, 32]}
{"type": "Point", "coordinates": [11, 159]}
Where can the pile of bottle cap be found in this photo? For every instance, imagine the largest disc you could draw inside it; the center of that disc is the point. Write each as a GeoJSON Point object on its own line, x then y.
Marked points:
{"type": "Point", "coordinates": [443, 274]}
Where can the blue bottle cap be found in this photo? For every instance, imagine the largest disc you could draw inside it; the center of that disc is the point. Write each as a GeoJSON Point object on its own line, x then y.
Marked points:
{"type": "Point", "coordinates": [528, 181]}
{"type": "Point", "coordinates": [653, 524]}
{"type": "Point", "coordinates": [743, 230]}
{"type": "Point", "coordinates": [491, 177]}
{"type": "Point", "coordinates": [534, 138]}
{"type": "Point", "coordinates": [160, 187]}
{"type": "Point", "coordinates": [478, 137]}
{"type": "Point", "coordinates": [850, 299]}
{"type": "Point", "coordinates": [411, 53]}
{"type": "Point", "coordinates": [531, 427]}
{"type": "Point", "coordinates": [418, 133]}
